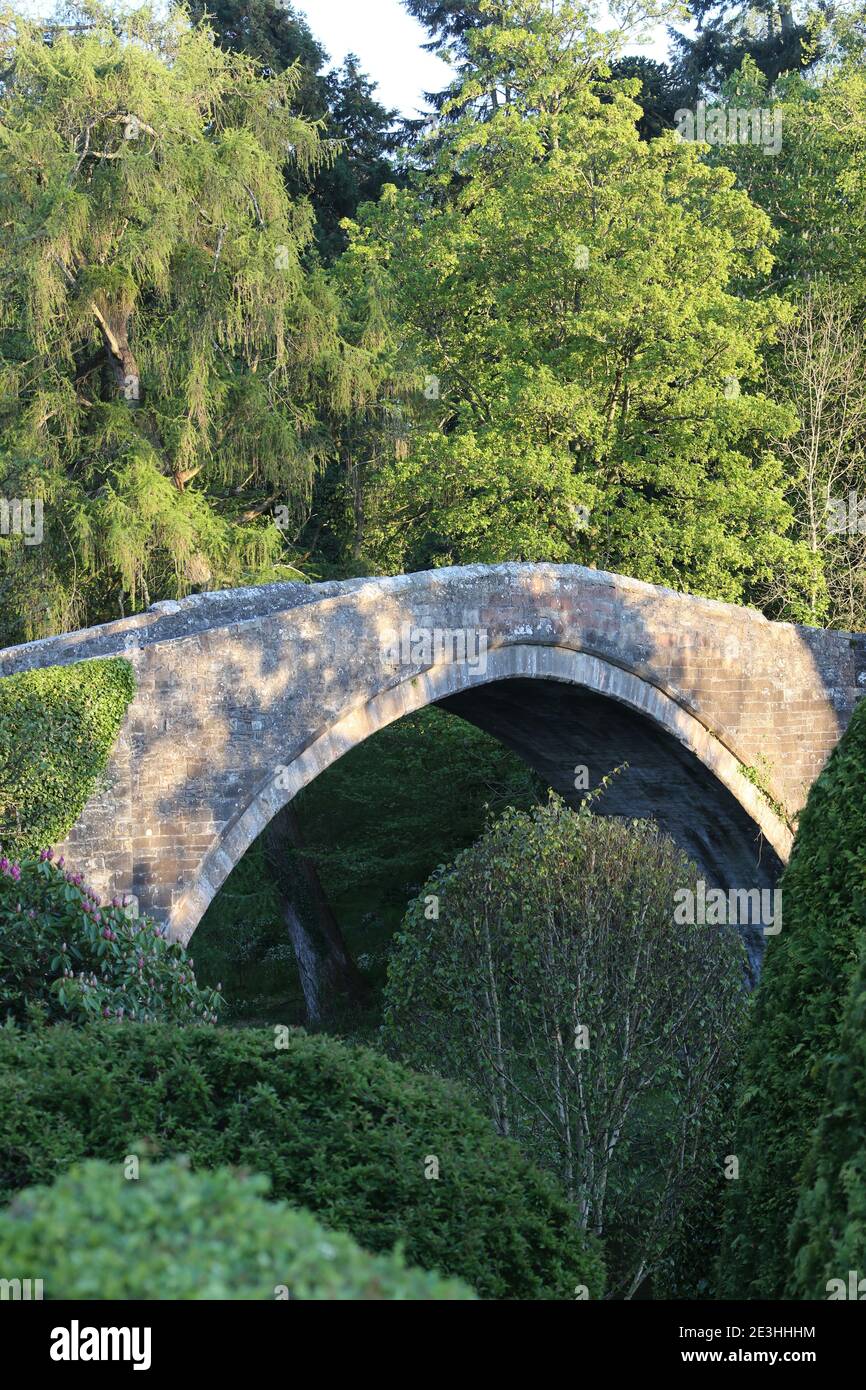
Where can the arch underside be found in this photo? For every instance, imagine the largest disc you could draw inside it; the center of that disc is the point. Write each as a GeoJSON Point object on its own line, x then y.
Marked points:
{"type": "Point", "coordinates": [557, 709]}
{"type": "Point", "coordinates": [558, 729]}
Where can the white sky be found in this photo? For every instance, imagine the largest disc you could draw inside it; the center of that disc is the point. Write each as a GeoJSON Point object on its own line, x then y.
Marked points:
{"type": "Point", "coordinates": [388, 42]}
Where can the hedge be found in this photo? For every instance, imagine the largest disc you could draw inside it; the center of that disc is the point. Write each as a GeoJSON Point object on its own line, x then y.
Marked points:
{"type": "Point", "coordinates": [340, 1131]}
{"type": "Point", "coordinates": [172, 1234]}
{"type": "Point", "coordinates": [828, 1235]}
{"type": "Point", "coordinates": [57, 728]}
{"type": "Point", "coordinates": [796, 1021]}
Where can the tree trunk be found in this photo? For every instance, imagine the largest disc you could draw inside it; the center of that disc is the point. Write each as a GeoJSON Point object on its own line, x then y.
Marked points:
{"type": "Point", "coordinates": [114, 326]}
{"type": "Point", "coordinates": [326, 968]}
{"type": "Point", "coordinates": [358, 512]}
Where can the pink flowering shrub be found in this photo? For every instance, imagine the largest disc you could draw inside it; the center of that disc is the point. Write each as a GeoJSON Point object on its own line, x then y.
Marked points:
{"type": "Point", "coordinates": [64, 954]}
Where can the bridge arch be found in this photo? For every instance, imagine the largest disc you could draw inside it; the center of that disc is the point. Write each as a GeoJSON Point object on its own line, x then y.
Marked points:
{"type": "Point", "coordinates": [446, 685]}
{"type": "Point", "coordinates": [583, 668]}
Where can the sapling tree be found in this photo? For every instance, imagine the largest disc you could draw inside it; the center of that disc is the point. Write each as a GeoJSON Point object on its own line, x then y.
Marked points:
{"type": "Point", "coordinates": [544, 969]}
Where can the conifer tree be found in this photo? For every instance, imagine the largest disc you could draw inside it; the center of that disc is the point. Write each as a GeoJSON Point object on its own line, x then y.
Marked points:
{"type": "Point", "coordinates": [359, 132]}
{"type": "Point", "coordinates": [168, 346]}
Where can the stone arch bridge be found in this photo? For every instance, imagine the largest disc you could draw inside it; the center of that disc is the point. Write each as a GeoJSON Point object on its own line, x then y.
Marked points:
{"type": "Point", "coordinates": [247, 695]}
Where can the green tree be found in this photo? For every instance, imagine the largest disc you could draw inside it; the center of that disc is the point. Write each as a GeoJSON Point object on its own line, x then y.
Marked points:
{"type": "Point", "coordinates": [571, 300]}
{"type": "Point", "coordinates": [795, 1027]}
{"type": "Point", "coordinates": [271, 31]}
{"type": "Point", "coordinates": [449, 23]}
{"type": "Point", "coordinates": [543, 968]}
{"type": "Point", "coordinates": [366, 139]}
{"type": "Point", "coordinates": [820, 366]}
{"type": "Point", "coordinates": [453, 23]}
{"type": "Point", "coordinates": [166, 354]}
{"type": "Point", "coordinates": [660, 95]}
{"type": "Point", "coordinates": [359, 132]}
{"type": "Point", "coordinates": [775, 34]}
{"type": "Point", "coordinates": [361, 138]}
{"type": "Point", "coordinates": [813, 188]}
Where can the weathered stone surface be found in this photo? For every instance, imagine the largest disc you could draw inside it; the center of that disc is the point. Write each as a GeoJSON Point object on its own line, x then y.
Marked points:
{"type": "Point", "coordinates": [245, 696]}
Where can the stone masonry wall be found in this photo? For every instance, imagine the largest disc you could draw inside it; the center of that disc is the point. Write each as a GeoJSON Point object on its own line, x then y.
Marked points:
{"type": "Point", "coordinates": [232, 686]}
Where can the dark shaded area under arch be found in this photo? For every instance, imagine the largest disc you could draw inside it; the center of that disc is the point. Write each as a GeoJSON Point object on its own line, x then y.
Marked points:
{"type": "Point", "coordinates": [557, 727]}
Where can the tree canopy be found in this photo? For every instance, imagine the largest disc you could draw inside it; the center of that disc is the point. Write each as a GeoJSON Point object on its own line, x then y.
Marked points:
{"type": "Point", "coordinates": [571, 301]}
{"type": "Point", "coordinates": [168, 346]}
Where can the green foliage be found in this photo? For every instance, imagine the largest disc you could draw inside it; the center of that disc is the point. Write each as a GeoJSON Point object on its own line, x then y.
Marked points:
{"type": "Point", "coordinates": [376, 823]}
{"type": "Point", "coordinates": [390, 810]}
{"type": "Point", "coordinates": [242, 939]}
{"type": "Point", "coordinates": [362, 130]}
{"type": "Point", "coordinates": [761, 776]}
{"type": "Point", "coordinates": [765, 32]}
{"type": "Point", "coordinates": [544, 969]}
{"type": "Point", "coordinates": [820, 365]}
{"type": "Point", "coordinates": [340, 1131]}
{"type": "Point", "coordinates": [173, 1234]}
{"type": "Point", "coordinates": [273, 33]}
{"type": "Point", "coordinates": [64, 954]}
{"type": "Point", "coordinates": [357, 129]}
{"type": "Point", "coordinates": [168, 346]}
{"type": "Point", "coordinates": [57, 729]}
{"type": "Point", "coordinates": [813, 189]}
{"type": "Point", "coordinates": [796, 1022]}
{"type": "Point", "coordinates": [580, 298]}
{"type": "Point", "coordinates": [828, 1235]}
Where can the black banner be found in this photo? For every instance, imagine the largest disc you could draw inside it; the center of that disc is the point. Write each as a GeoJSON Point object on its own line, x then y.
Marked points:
{"type": "Point", "coordinates": [154, 1338]}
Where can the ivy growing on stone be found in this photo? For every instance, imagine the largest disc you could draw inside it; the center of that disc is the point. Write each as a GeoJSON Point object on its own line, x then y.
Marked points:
{"type": "Point", "coordinates": [57, 728]}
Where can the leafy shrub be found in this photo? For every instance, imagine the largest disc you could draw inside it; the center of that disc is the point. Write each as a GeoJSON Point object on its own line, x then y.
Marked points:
{"type": "Point", "coordinates": [796, 1022]}
{"type": "Point", "coordinates": [595, 1031]}
{"type": "Point", "coordinates": [57, 728]}
{"type": "Point", "coordinates": [65, 954]}
{"type": "Point", "coordinates": [173, 1234]}
{"type": "Point", "coordinates": [828, 1235]}
{"type": "Point", "coordinates": [340, 1131]}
